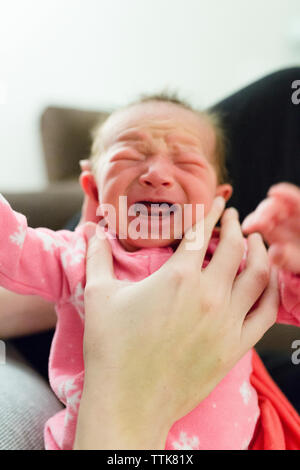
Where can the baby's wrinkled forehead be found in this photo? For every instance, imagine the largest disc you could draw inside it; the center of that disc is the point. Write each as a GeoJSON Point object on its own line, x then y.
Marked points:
{"type": "Point", "coordinates": [155, 116]}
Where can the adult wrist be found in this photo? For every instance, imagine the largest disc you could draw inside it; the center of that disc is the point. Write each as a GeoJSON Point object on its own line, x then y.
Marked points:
{"type": "Point", "coordinates": [103, 425]}
{"type": "Point", "coordinates": [94, 432]}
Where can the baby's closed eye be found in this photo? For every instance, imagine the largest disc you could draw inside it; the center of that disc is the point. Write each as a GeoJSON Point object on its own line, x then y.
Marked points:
{"type": "Point", "coordinates": [190, 158]}
{"type": "Point", "coordinates": [131, 155]}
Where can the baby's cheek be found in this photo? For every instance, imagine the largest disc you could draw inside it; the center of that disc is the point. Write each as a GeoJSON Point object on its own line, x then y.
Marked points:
{"type": "Point", "coordinates": [206, 203]}
{"type": "Point", "coordinates": [201, 192]}
{"type": "Point", "coordinates": [207, 207]}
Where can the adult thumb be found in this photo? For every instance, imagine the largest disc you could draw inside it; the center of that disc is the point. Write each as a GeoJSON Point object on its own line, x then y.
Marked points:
{"type": "Point", "coordinates": [99, 261]}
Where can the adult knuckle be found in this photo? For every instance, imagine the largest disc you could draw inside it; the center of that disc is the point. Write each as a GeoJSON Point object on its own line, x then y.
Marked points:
{"type": "Point", "coordinates": [96, 287]}
{"type": "Point", "coordinates": [262, 273]}
{"type": "Point", "coordinates": [207, 305]}
{"type": "Point", "coordinates": [97, 292]}
{"type": "Point", "coordinates": [236, 242]}
{"type": "Point", "coordinates": [178, 274]}
{"type": "Point", "coordinates": [90, 288]}
{"type": "Point", "coordinates": [256, 242]}
{"type": "Point", "coordinates": [272, 318]}
{"type": "Point", "coordinates": [211, 302]}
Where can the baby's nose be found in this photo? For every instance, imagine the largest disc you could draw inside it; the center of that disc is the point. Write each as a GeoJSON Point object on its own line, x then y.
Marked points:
{"type": "Point", "coordinates": [156, 177]}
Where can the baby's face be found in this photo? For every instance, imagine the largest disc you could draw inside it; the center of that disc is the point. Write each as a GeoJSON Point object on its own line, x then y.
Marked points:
{"type": "Point", "coordinates": [154, 153]}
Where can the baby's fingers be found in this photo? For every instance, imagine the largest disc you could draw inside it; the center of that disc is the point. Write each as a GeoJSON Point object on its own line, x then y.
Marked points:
{"type": "Point", "coordinates": [263, 317]}
{"type": "Point", "coordinates": [262, 219]}
{"type": "Point", "coordinates": [287, 192]}
{"type": "Point", "coordinates": [285, 256]}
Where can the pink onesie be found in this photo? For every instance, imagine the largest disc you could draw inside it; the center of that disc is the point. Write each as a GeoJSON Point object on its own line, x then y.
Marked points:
{"type": "Point", "coordinates": [52, 265]}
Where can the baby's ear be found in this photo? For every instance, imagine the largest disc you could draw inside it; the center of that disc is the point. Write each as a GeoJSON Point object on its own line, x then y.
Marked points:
{"type": "Point", "coordinates": [88, 184]}
{"type": "Point", "coordinates": [224, 190]}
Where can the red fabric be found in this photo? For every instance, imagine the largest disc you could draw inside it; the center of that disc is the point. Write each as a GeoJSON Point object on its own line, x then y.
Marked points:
{"type": "Point", "coordinates": [278, 427]}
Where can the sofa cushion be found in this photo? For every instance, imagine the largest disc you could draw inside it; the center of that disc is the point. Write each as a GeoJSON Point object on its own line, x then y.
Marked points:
{"type": "Point", "coordinates": [26, 403]}
{"type": "Point", "coordinates": [66, 138]}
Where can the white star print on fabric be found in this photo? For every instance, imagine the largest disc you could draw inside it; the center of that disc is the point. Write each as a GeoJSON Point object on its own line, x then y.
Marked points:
{"type": "Point", "coordinates": [48, 242]}
{"type": "Point", "coordinates": [73, 255]}
{"type": "Point", "coordinates": [74, 400]}
{"type": "Point", "coordinates": [68, 417]}
{"type": "Point", "coordinates": [245, 391]}
{"type": "Point", "coordinates": [77, 300]}
{"type": "Point", "coordinates": [71, 400]}
{"type": "Point", "coordinates": [18, 237]}
{"type": "Point", "coordinates": [186, 443]}
{"type": "Point", "coordinates": [64, 388]}
{"type": "Point", "coordinates": [80, 252]}
{"type": "Point", "coordinates": [70, 255]}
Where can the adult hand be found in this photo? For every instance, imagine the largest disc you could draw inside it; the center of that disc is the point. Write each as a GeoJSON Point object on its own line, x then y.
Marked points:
{"type": "Point", "coordinates": [277, 218]}
{"type": "Point", "coordinates": [156, 348]}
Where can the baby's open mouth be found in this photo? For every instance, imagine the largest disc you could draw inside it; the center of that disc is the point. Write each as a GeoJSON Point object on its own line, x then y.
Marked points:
{"type": "Point", "coordinates": [154, 209]}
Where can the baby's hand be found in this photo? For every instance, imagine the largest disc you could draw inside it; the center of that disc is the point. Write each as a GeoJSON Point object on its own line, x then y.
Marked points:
{"type": "Point", "coordinates": [277, 218]}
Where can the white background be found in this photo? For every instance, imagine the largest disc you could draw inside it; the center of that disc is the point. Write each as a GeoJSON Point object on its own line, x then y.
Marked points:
{"type": "Point", "coordinates": [98, 54]}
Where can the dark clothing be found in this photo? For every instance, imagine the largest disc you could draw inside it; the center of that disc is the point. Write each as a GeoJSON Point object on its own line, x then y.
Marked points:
{"type": "Point", "coordinates": [263, 129]}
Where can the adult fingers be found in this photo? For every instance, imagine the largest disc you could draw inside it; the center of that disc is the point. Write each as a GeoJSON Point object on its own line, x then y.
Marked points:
{"type": "Point", "coordinates": [192, 249]}
{"type": "Point", "coordinates": [263, 317]}
{"type": "Point", "coordinates": [99, 261]}
{"type": "Point", "coordinates": [229, 253]}
{"type": "Point", "coordinates": [253, 280]}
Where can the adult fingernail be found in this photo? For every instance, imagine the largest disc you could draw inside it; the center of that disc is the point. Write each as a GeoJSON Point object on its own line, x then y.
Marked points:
{"type": "Point", "coordinates": [219, 202]}
{"type": "Point", "coordinates": [256, 235]}
{"type": "Point", "coordinates": [233, 211]}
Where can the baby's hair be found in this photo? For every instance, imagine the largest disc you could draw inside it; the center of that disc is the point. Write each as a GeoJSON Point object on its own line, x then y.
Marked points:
{"type": "Point", "coordinates": [212, 117]}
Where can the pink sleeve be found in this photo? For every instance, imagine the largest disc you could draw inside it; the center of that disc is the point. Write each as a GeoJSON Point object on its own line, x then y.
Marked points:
{"type": "Point", "coordinates": [31, 260]}
{"type": "Point", "coordinates": [289, 289]}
